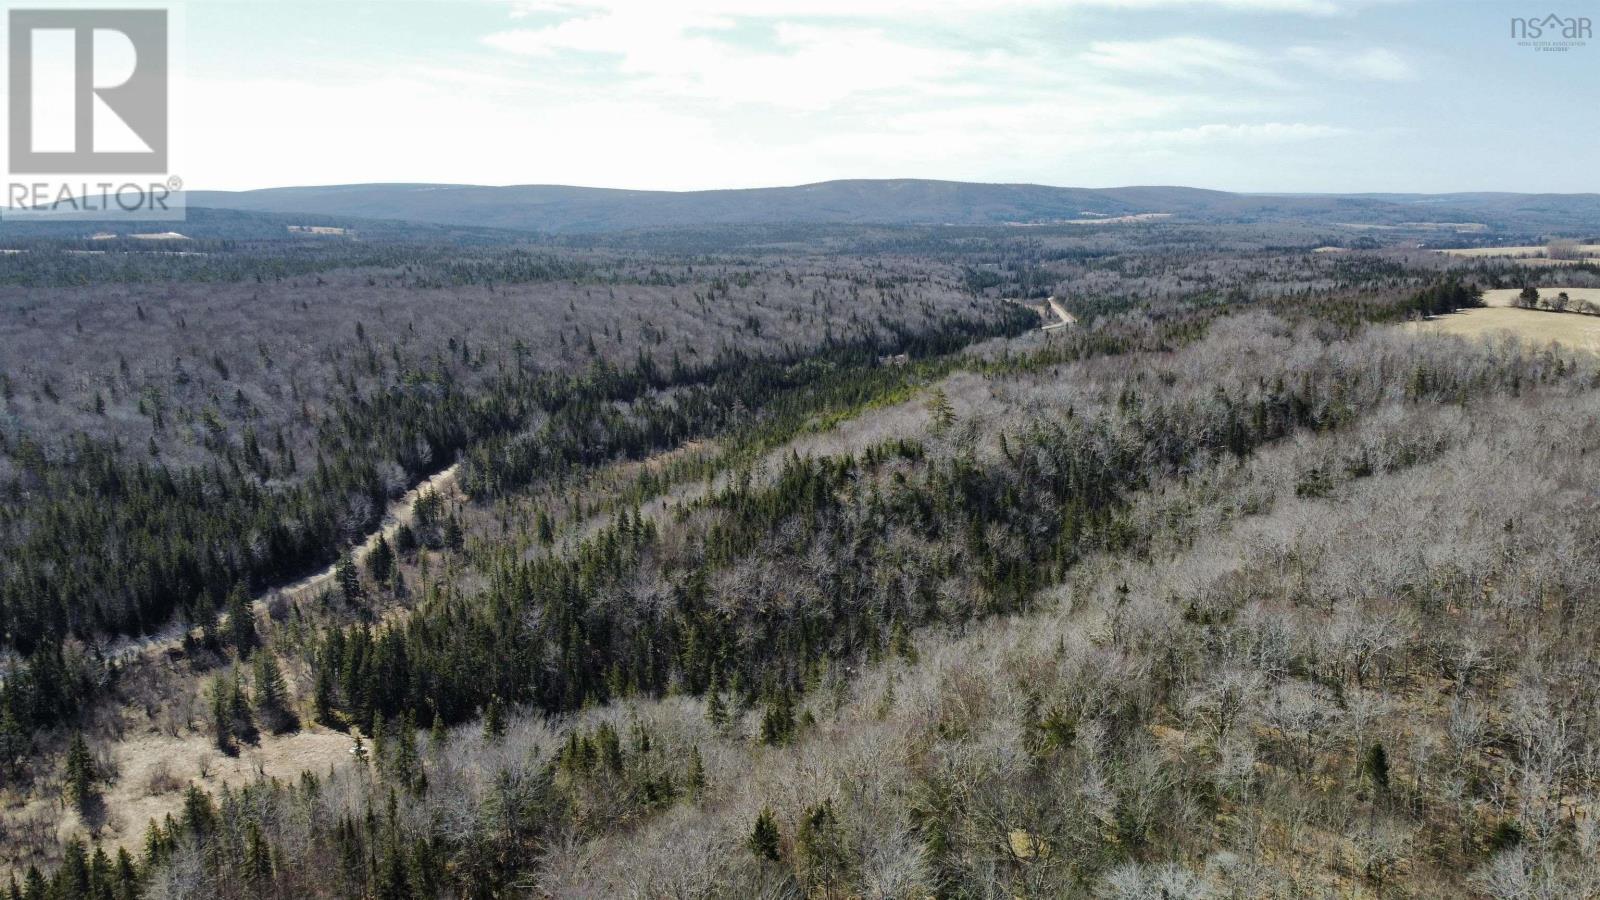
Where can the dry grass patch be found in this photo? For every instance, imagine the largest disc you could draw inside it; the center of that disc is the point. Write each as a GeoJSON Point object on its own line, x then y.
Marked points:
{"type": "Point", "coordinates": [1507, 297]}
{"type": "Point", "coordinates": [1519, 252]}
{"type": "Point", "coordinates": [1534, 326]}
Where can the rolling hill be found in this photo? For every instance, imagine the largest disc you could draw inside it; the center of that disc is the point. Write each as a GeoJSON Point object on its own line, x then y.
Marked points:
{"type": "Point", "coordinates": [566, 209]}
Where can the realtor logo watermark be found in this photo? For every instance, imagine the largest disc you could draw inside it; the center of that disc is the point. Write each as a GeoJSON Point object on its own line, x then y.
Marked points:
{"type": "Point", "coordinates": [1552, 33]}
{"type": "Point", "coordinates": [88, 93]}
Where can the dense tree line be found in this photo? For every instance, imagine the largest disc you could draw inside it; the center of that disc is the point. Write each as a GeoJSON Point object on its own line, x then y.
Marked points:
{"type": "Point", "coordinates": [1447, 297]}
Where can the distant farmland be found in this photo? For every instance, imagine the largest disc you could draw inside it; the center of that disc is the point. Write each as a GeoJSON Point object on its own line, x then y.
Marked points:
{"type": "Point", "coordinates": [1537, 327]}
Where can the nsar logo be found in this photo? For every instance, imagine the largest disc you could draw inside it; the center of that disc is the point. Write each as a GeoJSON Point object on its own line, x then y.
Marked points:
{"type": "Point", "coordinates": [1552, 33]}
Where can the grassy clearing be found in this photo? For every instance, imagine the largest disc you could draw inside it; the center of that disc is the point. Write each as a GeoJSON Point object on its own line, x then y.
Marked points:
{"type": "Point", "coordinates": [1529, 252]}
{"type": "Point", "coordinates": [1534, 326]}
{"type": "Point", "coordinates": [1507, 297]}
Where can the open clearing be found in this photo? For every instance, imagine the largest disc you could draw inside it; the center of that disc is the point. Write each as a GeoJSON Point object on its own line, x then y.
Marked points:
{"type": "Point", "coordinates": [1534, 326]}
{"type": "Point", "coordinates": [1507, 297]}
{"type": "Point", "coordinates": [154, 771]}
{"type": "Point", "coordinates": [1130, 219]}
{"type": "Point", "coordinates": [1061, 311]}
{"type": "Point", "coordinates": [1052, 314]}
{"type": "Point", "coordinates": [1519, 252]}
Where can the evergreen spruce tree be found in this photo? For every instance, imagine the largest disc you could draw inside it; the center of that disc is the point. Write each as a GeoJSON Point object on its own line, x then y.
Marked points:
{"type": "Point", "coordinates": [81, 774]}
{"type": "Point", "coordinates": [348, 579]}
{"type": "Point", "coordinates": [763, 840]}
{"type": "Point", "coordinates": [1376, 767]}
{"type": "Point", "coordinates": [438, 737]}
{"type": "Point", "coordinates": [380, 562]}
{"type": "Point", "coordinates": [205, 616]}
{"type": "Point", "coordinates": [454, 537]}
{"type": "Point", "coordinates": [72, 880]}
{"type": "Point", "coordinates": [241, 622]}
{"type": "Point", "coordinates": [716, 710]}
{"type": "Point", "coordinates": [777, 722]}
{"type": "Point", "coordinates": [128, 883]}
{"type": "Point", "coordinates": [257, 856]}
{"type": "Point", "coordinates": [243, 721]}
{"type": "Point", "coordinates": [272, 696]}
{"type": "Point", "coordinates": [405, 540]}
{"type": "Point", "coordinates": [943, 414]}
{"type": "Point", "coordinates": [221, 717]}
{"type": "Point", "coordinates": [405, 761]}
{"type": "Point", "coordinates": [14, 747]}
{"type": "Point", "coordinates": [821, 850]}
{"type": "Point", "coordinates": [494, 725]}
{"type": "Point", "coordinates": [33, 886]}
{"type": "Point", "coordinates": [322, 699]}
{"type": "Point", "coordinates": [697, 772]}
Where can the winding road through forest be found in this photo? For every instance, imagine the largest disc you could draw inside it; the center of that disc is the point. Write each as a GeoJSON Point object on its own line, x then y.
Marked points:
{"type": "Point", "coordinates": [398, 513]}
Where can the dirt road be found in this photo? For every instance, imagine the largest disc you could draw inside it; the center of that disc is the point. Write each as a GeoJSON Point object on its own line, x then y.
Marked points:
{"type": "Point", "coordinates": [1045, 309]}
{"type": "Point", "coordinates": [1061, 311]}
{"type": "Point", "coordinates": [446, 483]}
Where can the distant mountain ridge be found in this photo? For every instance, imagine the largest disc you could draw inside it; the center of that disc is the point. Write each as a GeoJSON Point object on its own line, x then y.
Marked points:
{"type": "Point", "coordinates": [567, 209]}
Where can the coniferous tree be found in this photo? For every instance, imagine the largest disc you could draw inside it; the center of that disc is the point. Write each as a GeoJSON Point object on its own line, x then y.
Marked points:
{"type": "Point", "coordinates": [206, 617]}
{"type": "Point", "coordinates": [405, 763]}
{"type": "Point", "coordinates": [257, 856]}
{"type": "Point", "coordinates": [128, 883]}
{"type": "Point", "coordinates": [33, 886]}
{"type": "Point", "coordinates": [494, 725]}
{"type": "Point", "coordinates": [322, 693]}
{"type": "Point", "coordinates": [777, 722]}
{"type": "Point", "coordinates": [822, 852]}
{"type": "Point", "coordinates": [241, 622]}
{"type": "Point", "coordinates": [405, 540]}
{"type": "Point", "coordinates": [380, 562]}
{"type": "Point", "coordinates": [763, 841]}
{"type": "Point", "coordinates": [72, 881]}
{"type": "Point", "coordinates": [1376, 767]}
{"type": "Point", "coordinates": [81, 773]}
{"type": "Point", "coordinates": [199, 814]}
{"type": "Point", "coordinates": [454, 537]}
{"type": "Point", "coordinates": [14, 747]}
{"type": "Point", "coordinates": [242, 719]}
{"type": "Point", "coordinates": [716, 712]}
{"type": "Point", "coordinates": [272, 695]}
{"type": "Point", "coordinates": [221, 718]}
{"type": "Point", "coordinates": [942, 413]}
{"type": "Point", "coordinates": [438, 737]}
{"type": "Point", "coordinates": [348, 579]}
{"type": "Point", "coordinates": [697, 772]}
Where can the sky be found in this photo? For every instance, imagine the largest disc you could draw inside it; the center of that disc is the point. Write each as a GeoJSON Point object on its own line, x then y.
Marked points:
{"type": "Point", "coordinates": [1248, 95]}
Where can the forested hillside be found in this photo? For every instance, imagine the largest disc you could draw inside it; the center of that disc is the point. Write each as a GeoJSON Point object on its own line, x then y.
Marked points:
{"type": "Point", "coordinates": [899, 201]}
{"type": "Point", "coordinates": [772, 573]}
{"type": "Point", "coordinates": [265, 424]}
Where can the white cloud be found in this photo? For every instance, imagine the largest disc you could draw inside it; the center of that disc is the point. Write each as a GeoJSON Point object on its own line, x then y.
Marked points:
{"type": "Point", "coordinates": [810, 67]}
{"type": "Point", "coordinates": [1372, 64]}
{"type": "Point", "coordinates": [1182, 57]}
{"type": "Point", "coordinates": [686, 94]}
{"type": "Point", "coordinates": [1195, 57]}
{"type": "Point", "coordinates": [1258, 133]}
{"type": "Point", "coordinates": [916, 9]}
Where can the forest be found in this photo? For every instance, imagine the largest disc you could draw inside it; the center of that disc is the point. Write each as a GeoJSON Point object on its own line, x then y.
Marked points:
{"type": "Point", "coordinates": [797, 562]}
